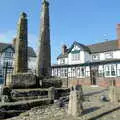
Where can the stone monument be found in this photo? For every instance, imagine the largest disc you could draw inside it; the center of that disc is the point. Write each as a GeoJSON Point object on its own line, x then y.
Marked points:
{"type": "Point", "coordinates": [20, 77]}
{"type": "Point", "coordinates": [75, 107]}
{"type": "Point", "coordinates": [43, 67]}
{"type": "Point", "coordinates": [21, 46]}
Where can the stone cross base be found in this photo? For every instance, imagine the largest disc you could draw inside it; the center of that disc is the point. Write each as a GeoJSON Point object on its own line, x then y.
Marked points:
{"type": "Point", "coordinates": [21, 80]}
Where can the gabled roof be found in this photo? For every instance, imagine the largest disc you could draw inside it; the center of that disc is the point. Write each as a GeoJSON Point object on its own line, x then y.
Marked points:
{"type": "Point", "coordinates": [3, 46]}
{"type": "Point", "coordinates": [94, 48]}
{"type": "Point", "coordinates": [85, 48]}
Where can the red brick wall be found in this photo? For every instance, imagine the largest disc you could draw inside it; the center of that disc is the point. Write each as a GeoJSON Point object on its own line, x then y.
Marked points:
{"type": "Point", "coordinates": [100, 81]}
{"type": "Point", "coordinates": [105, 82]}
{"type": "Point", "coordinates": [79, 81]}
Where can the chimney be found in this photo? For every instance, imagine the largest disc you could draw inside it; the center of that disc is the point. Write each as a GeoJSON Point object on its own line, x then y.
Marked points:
{"type": "Point", "coordinates": [118, 36]}
{"type": "Point", "coordinates": [14, 42]}
{"type": "Point", "coordinates": [64, 49]}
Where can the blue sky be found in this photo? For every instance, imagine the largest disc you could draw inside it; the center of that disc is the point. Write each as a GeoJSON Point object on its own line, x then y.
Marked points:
{"type": "Point", "coordinates": [85, 21]}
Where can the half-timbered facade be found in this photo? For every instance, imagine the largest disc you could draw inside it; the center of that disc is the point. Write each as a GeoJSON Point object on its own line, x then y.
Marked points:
{"type": "Point", "coordinates": [93, 64]}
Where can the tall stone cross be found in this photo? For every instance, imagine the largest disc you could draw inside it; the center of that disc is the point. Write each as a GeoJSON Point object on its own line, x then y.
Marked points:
{"type": "Point", "coordinates": [43, 67]}
{"type": "Point", "coordinates": [21, 46]}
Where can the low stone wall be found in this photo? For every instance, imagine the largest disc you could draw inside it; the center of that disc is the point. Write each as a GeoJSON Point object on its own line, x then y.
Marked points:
{"type": "Point", "coordinates": [21, 80]}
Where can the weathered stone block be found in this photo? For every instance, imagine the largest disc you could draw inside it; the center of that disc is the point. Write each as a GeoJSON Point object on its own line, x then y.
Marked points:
{"type": "Point", "coordinates": [21, 80]}
{"type": "Point", "coordinates": [75, 106]}
{"type": "Point", "coordinates": [51, 93]}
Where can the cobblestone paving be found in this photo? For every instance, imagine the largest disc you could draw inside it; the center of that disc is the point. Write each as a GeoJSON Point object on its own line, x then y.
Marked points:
{"type": "Point", "coordinates": [93, 106]}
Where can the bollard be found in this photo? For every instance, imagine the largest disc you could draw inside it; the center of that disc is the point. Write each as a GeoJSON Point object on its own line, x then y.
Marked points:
{"type": "Point", "coordinates": [51, 94]}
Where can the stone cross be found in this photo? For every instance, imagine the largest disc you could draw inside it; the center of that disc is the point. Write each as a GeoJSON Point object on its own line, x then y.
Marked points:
{"type": "Point", "coordinates": [21, 46]}
{"type": "Point", "coordinates": [43, 67]}
{"type": "Point", "coordinates": [75, 107]}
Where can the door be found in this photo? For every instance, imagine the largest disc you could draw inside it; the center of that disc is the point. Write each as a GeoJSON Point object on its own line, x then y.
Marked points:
{"type": "Point", "coordinates": [93, 75]}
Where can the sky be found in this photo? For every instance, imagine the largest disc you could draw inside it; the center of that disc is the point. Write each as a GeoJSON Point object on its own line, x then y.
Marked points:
{"type": "Point", "coordinates": [85, 21]}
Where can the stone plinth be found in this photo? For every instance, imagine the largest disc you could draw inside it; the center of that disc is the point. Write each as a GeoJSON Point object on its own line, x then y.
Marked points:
{"type": "Point", "coordinates": [75, 107]}
{"type": "Point", "coordinates": [21, 80]}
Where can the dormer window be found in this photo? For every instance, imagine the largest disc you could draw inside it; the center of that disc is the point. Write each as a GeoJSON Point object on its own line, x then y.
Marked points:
{"type": "Point", "coordinates": [95, 57]}
{"type": "Point", "coordinates": [108, 55]}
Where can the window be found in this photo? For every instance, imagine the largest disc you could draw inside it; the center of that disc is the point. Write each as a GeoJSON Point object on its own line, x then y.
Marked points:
{"type": "Point", "coordinates": [83, 72]}
{"type": "Point", "coordinates": [110, 70]}
{"type": "Point", "coordinates": [108, 55]}
{"type": "Point", "coordinates": [95, 57]}
{"type": "Point", "coordinates": [101, 71]}
{"type": "Point", "coordinates": [76, 57]}
{"type": "Point", "coordinates": [80, 72]}
{"type": "Point", "coordinates": [113, 68]}
{"type": "Point", "coordinates": [107, 70]}
{"type": "Point", "coordinates": [8, 54]}
{"type": "Point", "coordinates": [62, 61]}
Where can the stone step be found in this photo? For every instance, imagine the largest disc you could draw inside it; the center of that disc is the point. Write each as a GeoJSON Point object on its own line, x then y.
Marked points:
{"type": "Point", "coordinates": [15, 108]}
{"type": "Point", "coordinates": [29, 98]}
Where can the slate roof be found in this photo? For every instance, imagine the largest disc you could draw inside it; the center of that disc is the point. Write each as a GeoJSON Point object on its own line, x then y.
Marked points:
{"type": "Point", "coordinates": [3, 46]}
{"type": "Point", "coordinates": [94, 48]}
{"type": "Point", "coordinates": [103, 47]}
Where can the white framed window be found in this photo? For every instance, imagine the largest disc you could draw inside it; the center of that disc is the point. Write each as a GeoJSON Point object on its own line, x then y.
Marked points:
{"type": "Point", "coordinates": [81, 72]}
{"type": "Point", "coordinates": [95, 57]}
{"type": "Point", "coordinates": [76, 57]}
{"type": "Point", "coordinates": [62, 61]}
{"type": "Point", "coordinates": [108, 55]}
{"type": "Point", "coordinates": [107, 70]}
{"type": "Point", "coordinates": [101, 71]}
{"type": "Point", "coordinates": [110, 70]}
{"type": "Point", "coordinates": [113, 70]}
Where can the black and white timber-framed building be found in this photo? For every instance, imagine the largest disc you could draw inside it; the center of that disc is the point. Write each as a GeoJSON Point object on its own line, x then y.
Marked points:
{"type": "Point", "coordinates": [94, 64]}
